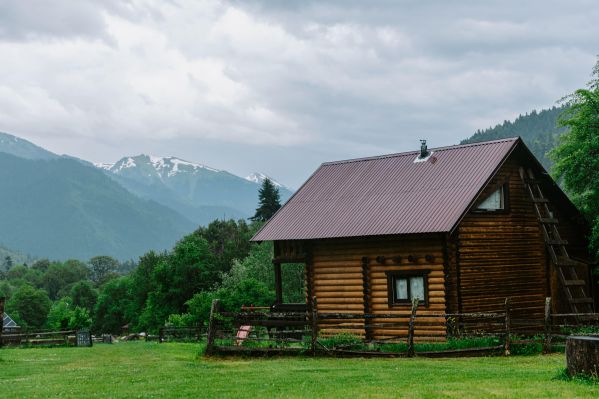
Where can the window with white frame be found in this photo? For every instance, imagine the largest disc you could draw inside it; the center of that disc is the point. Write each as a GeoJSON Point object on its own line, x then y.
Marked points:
{"type": "Point", "coordinates": [405, 286]}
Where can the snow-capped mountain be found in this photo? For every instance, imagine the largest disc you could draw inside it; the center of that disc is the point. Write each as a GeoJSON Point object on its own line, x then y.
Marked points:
{"type": "Point", "coordinates": [105, 166]}
{"type": "Point", "coordinates": [197, 191]}
{"type": "Point", "coordinates": [258, 178]}
{"type": "Point", "coordinates": [164, 167]}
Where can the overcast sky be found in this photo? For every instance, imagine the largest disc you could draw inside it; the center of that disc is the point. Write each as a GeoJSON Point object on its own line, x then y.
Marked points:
{"type": "Point", "coordinates": [276, 87]}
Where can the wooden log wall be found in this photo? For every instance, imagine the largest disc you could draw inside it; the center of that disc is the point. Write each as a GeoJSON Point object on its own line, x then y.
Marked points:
{"type": "Point", "coordinates": [502, 254]}
{"type": "Point", "coordinates": [338, 270]}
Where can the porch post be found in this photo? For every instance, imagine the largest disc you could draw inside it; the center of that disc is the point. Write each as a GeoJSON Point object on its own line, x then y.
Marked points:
{"type": "Point", "coordinates": [278, 282]}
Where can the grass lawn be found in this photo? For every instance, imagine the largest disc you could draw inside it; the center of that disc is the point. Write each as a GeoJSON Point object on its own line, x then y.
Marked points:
{"type": "Point", "coordinates": [144, 370]}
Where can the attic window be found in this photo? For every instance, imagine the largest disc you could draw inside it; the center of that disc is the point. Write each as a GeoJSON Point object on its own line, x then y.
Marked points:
{"type": "Point", "coordinates": [494, 202]}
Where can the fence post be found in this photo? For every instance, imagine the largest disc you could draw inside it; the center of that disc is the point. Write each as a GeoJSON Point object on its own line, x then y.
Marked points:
{"type": "Point", "coordinates": [411, 328]}
{"type": "Point", "coordinates": [161, 335]}
{"type": "Point", "coordinates": [508, 322]}
{"type": "Point", "coordinates": [212, 327]}
{"type": "Point", "coordinates": [548, 322]}
{"type": "Point", "coordinates": [314, 325]}
{"type": "Point", "coordinates": [2, 299]}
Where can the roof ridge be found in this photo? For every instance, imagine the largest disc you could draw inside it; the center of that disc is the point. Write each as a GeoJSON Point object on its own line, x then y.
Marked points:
{"type": "Point", "coordinates": [412, 153]}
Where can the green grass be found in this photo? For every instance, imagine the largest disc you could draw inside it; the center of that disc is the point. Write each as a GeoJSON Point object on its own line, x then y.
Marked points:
{"type": "Point", "coordinates": [145, 370]}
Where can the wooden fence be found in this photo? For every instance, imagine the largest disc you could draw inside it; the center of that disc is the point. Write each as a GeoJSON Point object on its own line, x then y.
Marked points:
{"type": "Point", "coordinates": [344, 334]}
{"type": "Point", "coordinates": [39, 338]}
{"type": "Point", "coordinates": [179, 334]}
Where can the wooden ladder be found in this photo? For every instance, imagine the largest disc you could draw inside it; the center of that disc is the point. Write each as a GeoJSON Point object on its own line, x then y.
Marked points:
{"type": "Point", "coordinates": [573, 286]}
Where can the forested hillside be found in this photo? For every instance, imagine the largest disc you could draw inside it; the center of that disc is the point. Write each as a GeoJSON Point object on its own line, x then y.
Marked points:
{"type": "Point", "coordinates": [23, 148]}
{"type": "Point", "coordinates": [538, 130]}
{"type": "Point", "coordinates": [64, 209]}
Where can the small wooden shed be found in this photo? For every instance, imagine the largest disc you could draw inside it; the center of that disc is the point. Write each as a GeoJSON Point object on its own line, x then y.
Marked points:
{"type": "Point", "coordinates": [460, 228]}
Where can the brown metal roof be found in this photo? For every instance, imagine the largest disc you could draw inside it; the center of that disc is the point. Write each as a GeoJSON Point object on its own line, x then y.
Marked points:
{"type": "Point", "coordinates": [389, 194]}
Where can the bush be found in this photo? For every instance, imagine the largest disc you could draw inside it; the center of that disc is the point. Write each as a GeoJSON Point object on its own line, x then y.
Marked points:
{"type": "Point", "coordinates": [343, 341]}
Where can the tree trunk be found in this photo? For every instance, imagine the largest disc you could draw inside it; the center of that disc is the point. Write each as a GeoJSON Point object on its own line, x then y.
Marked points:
{"type": "Point", "coordinates": [582, 356]}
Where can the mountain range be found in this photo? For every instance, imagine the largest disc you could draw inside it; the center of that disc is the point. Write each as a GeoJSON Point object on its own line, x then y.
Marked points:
{"type": "Point", "coordinates": [63, 207]}
{"type": "Point", "coordinates": [199, 192]}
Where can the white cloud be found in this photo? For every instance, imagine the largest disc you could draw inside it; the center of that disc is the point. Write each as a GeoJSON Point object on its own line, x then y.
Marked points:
{"type": "Point", "coordinates": [336, 79]}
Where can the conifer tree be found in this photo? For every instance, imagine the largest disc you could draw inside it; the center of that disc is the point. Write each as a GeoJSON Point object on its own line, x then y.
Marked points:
{"type": "Point", "coordinates": [269, 201]}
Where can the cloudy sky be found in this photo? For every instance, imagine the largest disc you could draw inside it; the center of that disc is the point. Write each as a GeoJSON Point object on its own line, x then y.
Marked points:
{"type": "Point", "coordinates": [277, 86]}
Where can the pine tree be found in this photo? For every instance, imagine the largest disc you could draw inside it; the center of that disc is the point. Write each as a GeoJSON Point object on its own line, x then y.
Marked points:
{"type": "Point", "coordinates": [8, 263]}
{"type": "Point", "coordinates": [269, 201]}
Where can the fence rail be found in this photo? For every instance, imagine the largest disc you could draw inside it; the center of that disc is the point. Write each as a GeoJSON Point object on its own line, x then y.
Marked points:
{"type": "Point", "coordinates": [44, 337]}
{"type": "Point", "coordinates": [408, 333]}
{"type": "Point", "coordinates": [172, 334]}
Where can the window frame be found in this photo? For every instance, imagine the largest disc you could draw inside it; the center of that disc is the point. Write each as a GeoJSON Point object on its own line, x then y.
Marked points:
{"type": "Point", "coordinates": [506, 201]}
{"type": "Point", "coordinates": [393, 275]}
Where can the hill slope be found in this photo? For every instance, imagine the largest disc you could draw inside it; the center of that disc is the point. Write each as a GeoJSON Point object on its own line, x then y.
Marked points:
{"type": "Point", "coordinates": [22, 148]}
{"type": "Point", "coordinates": [538, 130]}
{"type": "Point", "coordinates": [61, 208]}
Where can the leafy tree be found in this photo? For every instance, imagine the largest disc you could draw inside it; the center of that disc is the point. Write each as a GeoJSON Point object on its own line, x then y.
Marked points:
{"type": "Point", "coordinates": [142, 283]}
{"type": "Point", "coordinates": [113, 309]}
{"type": "Point", "coordinates": [577, 157]}
{"type": "Point", "coordinates": [102, 267]}
{"type": "Point", "coordinates": [187, 270]}
{"type": "Point", "coordinates": [5, 289]}
{"type": "Point", "coordinates": [60, 314]}
{"type": "Point", "coordinates": [18, 271]}
{"type": "Point", "coordinates": [29, 306]}
{"type": "Point", "coordinates": [42, 265]}
{"type": "Point", "coordinates": [227, 240]}
{"type": "Point", "coordinates": [64, 315]}
{"type": "Point", "coordinates": [269, 201]}
{"type": "Point", "coordinates": [59, 277]}
{"type": "Point", "coordinates": [79, 319]}
{"type": "Point", "coordinates": [34, 277]}
{"type": "Point", "coordinates": [84, 295]}
{"type": "Point", "coordinates": [126, 266]}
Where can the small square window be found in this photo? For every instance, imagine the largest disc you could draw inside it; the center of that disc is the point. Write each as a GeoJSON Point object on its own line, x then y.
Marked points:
{"type": "Point", "coordinates": [405, 286]}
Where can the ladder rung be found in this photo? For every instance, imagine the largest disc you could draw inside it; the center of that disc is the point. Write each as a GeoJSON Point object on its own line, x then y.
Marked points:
{"type": "Point", "coordinates": [574, 282]}
{"type": "Point", "coordinates": [556, 242]}
{"type": "Point", "coordinates": [548, 220]}
{"type": "Point", "coordinates": [566, 263]}
{"type": "Point", "coordinates": [532, 181]}
{"type": "Point", "coordinates": [540, 200]}
{"type": "Point", "coordinates": [581, 300]}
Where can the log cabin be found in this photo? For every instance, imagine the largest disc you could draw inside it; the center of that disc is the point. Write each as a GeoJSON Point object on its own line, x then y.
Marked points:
{"type": "Point", "coordinates": [460, 228]}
